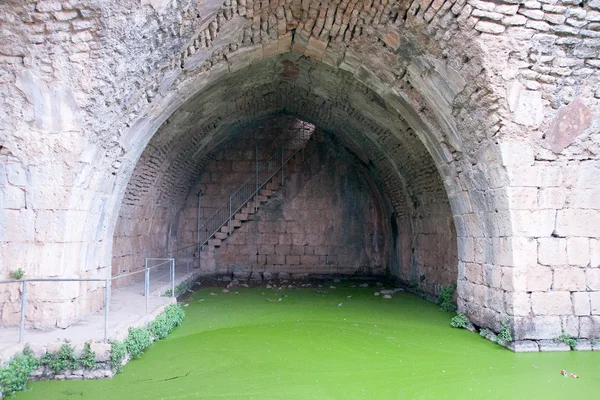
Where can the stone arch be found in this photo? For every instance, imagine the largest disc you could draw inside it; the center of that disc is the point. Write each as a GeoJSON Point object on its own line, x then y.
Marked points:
{"type": "Point", "coordinates": [469, 225]}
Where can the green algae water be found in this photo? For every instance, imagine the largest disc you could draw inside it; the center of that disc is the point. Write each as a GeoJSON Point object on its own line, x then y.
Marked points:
{"type": "Point", "coordinates": [341, 343]}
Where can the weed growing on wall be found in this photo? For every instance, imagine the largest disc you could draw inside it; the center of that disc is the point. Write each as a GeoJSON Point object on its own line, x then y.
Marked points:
{"type": "Point", "coordinates": [118, 351]}
{"type": "Point", "coordinates": [567, 339]}
{"type": "Point", "coordinates": [445, 300]}
{"type": "Point", "coordinates": [14, 376]}
{"type": "Point", "coordinates": [88, 357]}
{"type": "Point", "coordinates": [137, 341]}
{"type": "Point", "coordinates": [460, 320]}
{"type": "Point", "coordinates": [64, 359]}
{"type": "Point", "coordinates": [16, 274]}
{"type": "Point", "coordinates": [504, 335]}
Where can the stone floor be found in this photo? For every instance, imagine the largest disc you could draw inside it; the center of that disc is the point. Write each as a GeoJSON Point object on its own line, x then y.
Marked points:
{"type": "Point", "coordinates": [127, 309]}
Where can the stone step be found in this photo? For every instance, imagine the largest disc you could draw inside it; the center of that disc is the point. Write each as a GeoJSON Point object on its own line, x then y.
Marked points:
{"type": "Point", "coordinates": [265, 192]}
{"type": "Point", "coordinates": [273, 186]}
{"type": "Point", "coordinates": [214, 242]}
{"type": "Point", "coordinates": [248, 210]}
{"type": "Point", "coordinates": [220, 235]}
{"type": "Point", "coordinates": [261, 199]}
{"type": "Point", "coordinates": [236, 223]}
{"type": "Point", "coordinates": [208, 248]}
{"type": "Point", "coordinates": [225, 228]}
{"type": "Point", "coordinates": [241, 216]}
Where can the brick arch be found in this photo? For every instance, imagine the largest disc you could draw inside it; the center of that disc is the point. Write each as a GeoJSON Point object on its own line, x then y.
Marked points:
{"type": "Point", "coordinates": [402, 109]}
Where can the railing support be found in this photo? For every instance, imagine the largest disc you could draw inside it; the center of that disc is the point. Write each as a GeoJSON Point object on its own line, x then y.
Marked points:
{"type": "Point", "coordinates": [230, 218]}
{"type": "Point", "coordinates": [106, 306]}
{"type": "Point", "coordinates": [147, 288]}
{"type": "Point", "coordinates": [23, 302]}
{"type": "Point", "coordinates": [282, 162]}
{"type": "Point", "coordinates": [199, 224]}
{"type": "Point", "coordinates": [172, 278]}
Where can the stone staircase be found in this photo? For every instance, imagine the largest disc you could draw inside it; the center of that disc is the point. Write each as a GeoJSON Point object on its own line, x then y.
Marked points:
{"type": "Point", "coordinates": [249, 211]}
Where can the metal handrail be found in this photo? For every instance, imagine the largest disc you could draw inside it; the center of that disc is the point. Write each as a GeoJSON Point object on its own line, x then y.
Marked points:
{"type": "Point", "coordinates": [107, 289]}
{"type": "Point", "coordinates": [226, 212]}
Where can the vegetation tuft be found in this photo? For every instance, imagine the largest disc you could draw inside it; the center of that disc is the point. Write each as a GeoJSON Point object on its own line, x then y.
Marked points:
{"type": "Point", "coordinates": [460, 320]}
{"type": "Point", "coordinates": [504, 335]}
{"type": "Point", "coordinates": [445, 300]}
{"type": "Point", "coordinates": [14, 376]}
{"type": "Point", "coordinates": [567, 339]}
{"type": "Point", "coordinates": [16, 274]}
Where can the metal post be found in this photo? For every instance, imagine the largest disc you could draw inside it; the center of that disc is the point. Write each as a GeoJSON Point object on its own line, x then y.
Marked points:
{"type": "Point", "coordinates": [256, 153]}
{"type": "Point", "coordinates": [199, 208]}
{"type": "Point", "coordinates": [147, 288]}
{"type": "Point", "coordinates": [187, 260]}
{"type": "Point", "coordinates": [230, 217]}
{"type": "Point", "coordinates": [23, 302]}
{"type": "Point", "coordinates": [106, 305]}
{"type": "Point", "coordinates": [282, 163]}
{"type": "Point", "coordinates": [172, 278]}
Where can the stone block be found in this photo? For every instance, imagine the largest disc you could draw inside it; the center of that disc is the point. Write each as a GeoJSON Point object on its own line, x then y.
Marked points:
{"type": "Point", "coordinates": [276, 259]}
{"type": "Point", "coordinates": [578, 251]}
{"type": "Point", "coordinates": [551, 303]}
{"type": "Point", "coordinates": [473, 273]}
{"type": "Point", "coordinates": [592, 279]}
{"type": "Point", "coordinates": [552, 197]}
{"type": "Point", "coordinates": [589, 327]}
{"type": "Point", "coordinates": [514, 279]}
{"type": "Point", "coordinates": [583, 345]}
{"type": "Point", "coordinates": [492, 276]}
{"type": "Point", "coordinates": [581, 303]}
{"type": "Point", "coordinates": [537, 327]}
{"type": "Point", "coordinates": [552, 251]}
{"type": "Point", "coordinates": [578, 222]}
{"type": "Point", "coordinates": [571, 279]}
{"type": "Point", "coordinates": [518, 304]}
{"type": "Point", "coordinates": [551, 345]}
{"type": "Point", "coordinates": [539, 279]}
{"type": "Point", "coordinates": [524, 346]}
{"type": "Point", "coordinates": [282, 249]}
{"type": "Point", "coordinates": [309, 260]}
{"type": "Point", "coordinates": [292, 260]}
{"type": "Point", "coordinates": [595, 303]}
{"type": "Point", "coordinates": [102, 351]}
{"type": "Point", "coordinates": [595, 253]}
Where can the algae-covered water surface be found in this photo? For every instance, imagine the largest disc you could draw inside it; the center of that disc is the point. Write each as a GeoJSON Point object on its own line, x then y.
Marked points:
{"type": "Point", "coordinates": [341, 343]}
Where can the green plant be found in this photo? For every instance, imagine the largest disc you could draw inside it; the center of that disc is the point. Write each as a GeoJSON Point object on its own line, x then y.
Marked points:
{"type": "Point", "coordinates": [445, 299]}
{"type": "Point", "coordinates": [422, 278]}
{"type": "Point", "coordinates": [16, 274]}
{"type": "Point", "coordinates": [594, 342]}
{"type": "Point", "coordinates": [178, 290]}
{"type": "Point", "coordinates": [15, 375]}
{"type": "Point", "coordinates": [460, 320]}
{"type": "Point", "coordinates": [118, 351]}
{"type": "Point", "coordinates": [567, 339]}
{"type": "Point", "coordinates": [137, 340]}
{"type": "Point", "coordinates": [166, 321]}
{"type": "Point", "coordinates": [484, 332]}
{"type": "Point", "coordinates": [88, 357]}
{"type": "Point", "coordinates": [504, 335]}
{"type": "Point", "coordinates": [62, 360]}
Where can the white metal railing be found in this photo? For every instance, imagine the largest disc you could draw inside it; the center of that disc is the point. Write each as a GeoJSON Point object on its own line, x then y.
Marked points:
{"type": "Point", "coordinates": [263, 173]}
{"type": "Point", "coordinates": [107, 289]}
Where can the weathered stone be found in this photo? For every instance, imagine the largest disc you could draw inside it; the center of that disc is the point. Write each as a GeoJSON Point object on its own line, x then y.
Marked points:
{"type": "Point", "coordinates": [551, 345]}
{"type": "Point", "coordinates": [551, 303]}
{"type": "Point", "coordinates": [569, 123]}
{"type": "Point", "coordinates": [524, 346]}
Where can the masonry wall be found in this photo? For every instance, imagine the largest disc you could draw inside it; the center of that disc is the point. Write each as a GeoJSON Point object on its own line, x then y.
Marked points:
{"type": "Point", "coordinates": [326, 219]}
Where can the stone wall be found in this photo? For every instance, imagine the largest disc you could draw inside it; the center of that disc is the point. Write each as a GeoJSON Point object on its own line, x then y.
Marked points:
{"type": "Point", "coordinates": [324, 220]}
{"type": "Point", "coordinates": [496, 103]}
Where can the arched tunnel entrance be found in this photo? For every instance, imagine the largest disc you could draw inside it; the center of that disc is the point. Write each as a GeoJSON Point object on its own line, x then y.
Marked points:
{"type": "Point", "coordinates": [367, 200]}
